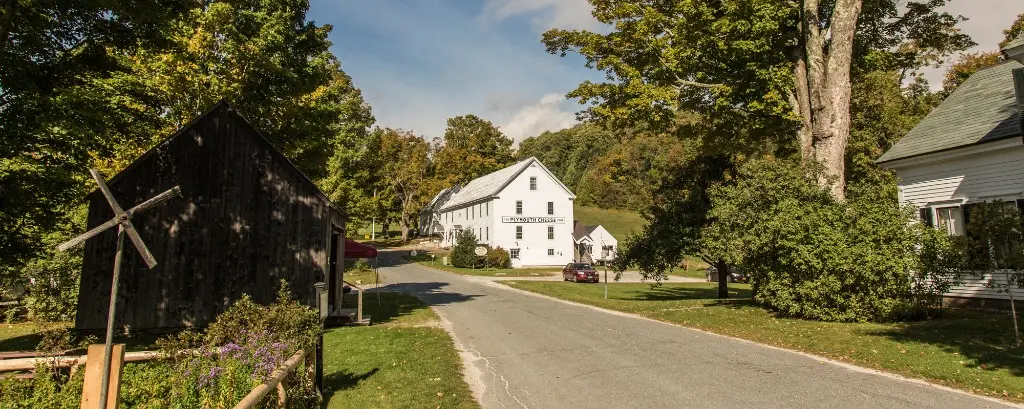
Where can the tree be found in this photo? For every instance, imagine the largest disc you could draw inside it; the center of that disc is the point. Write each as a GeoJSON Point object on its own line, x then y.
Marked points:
{"type": "Point", "coordinates": [1016, 30]}
{"type": "Point", "coordinates": [464, 251]}
{"type": "Point", "coordinates": [621, 179]}
{"type": "Point", "coordinates": [994, 244]}
{"type": "Point", "coordinates": [569, 153]}
{"type": "Point", "coordinates": [472, 147]}
{"type": "Point", "coordinates": [768, 68]}
{"type": "Point", "coordinates": [405, 173]}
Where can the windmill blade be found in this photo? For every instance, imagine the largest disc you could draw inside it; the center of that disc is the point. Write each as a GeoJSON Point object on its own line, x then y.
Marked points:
{"type": "Point", "coordinates": [129, 229]}
{"type": "Point", "coordinates": [106, 191]}
{"type": "Point", "coordinates": [158, 199]}
{"type": "Point", "coordinates": [88, 235]}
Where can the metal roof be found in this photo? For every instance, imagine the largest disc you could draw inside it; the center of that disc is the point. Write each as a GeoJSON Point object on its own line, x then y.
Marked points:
{"type": "Point", "coordinates": [983, 109]}
{"type": "Point", "coordinates": [491, 184]}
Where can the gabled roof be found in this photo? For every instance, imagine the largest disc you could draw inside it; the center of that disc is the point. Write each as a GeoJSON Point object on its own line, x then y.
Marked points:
{"type": "Point", "coordinates": [489, 185]}
{"type": "Point", "coordinates": [440, 198]}
{"type": "Point", "coordinates": [221, 106]}
{"type": "Point", "coordinates": [983, 109]}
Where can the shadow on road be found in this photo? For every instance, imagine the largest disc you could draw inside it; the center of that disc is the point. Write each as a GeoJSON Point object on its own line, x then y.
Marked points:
{"type": "Point", "coordinates": [431, 293]}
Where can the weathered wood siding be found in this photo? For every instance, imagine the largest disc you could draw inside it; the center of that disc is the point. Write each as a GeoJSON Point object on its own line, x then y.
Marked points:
{"type": "Point", "coordinates": [248, 220]}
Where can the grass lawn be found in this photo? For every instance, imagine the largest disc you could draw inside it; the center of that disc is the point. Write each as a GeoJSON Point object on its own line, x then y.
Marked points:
{"type": "Point", "coordinates": [18, 337]}
{"type": "Point", "coordinates": [423, 259]}
{"type": "Point", "coordinates": [618, 222]}
{"type": "Point", "coordinates": [968, 350]}
{"type": "Point", "coordinates": [403, 360]}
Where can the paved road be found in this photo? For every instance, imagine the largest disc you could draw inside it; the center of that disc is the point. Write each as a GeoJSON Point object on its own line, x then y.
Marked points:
{"type": "Point", "coordinates": [533, 352]}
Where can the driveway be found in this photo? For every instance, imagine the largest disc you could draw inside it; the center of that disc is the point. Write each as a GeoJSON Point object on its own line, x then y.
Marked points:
{"type": "Point", "coordinates": [534, 352]}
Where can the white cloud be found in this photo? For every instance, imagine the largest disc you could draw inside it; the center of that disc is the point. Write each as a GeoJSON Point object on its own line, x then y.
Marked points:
{"type": "Point", "coordinates": [532, 120]}
{"type": "Point", "coordinates": [545, 14]}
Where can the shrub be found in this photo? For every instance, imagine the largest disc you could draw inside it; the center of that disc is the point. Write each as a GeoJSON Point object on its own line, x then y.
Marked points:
{"type": "Point", "coordinates": [463, 254]}
{"type": "Point", "coordinates": [499, 258]}
{"type": "Point", "coordinates": [812, 256]}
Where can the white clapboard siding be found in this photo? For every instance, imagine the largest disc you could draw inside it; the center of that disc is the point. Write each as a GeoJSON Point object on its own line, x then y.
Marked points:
{"type": "Point", "coordinates": [988, 175]}
{"type": "Point", "coordinates": [977, 286]}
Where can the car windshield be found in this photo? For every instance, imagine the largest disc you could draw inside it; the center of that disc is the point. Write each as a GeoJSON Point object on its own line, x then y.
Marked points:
{"type": "Point", "coordinates": [582, 267]}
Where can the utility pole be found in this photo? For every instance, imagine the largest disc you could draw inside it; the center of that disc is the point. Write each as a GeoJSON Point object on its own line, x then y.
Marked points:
{"type": "Point", "coordinates": [605, 261]}
{"type": "Point", "coordinates": [373, 223]}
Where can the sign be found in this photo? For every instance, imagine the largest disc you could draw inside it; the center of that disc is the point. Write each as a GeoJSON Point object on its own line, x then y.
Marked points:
{"type": "Point", "coordinates": [520, 219]}
{"type": "Point", "coordinates": [481, 251]}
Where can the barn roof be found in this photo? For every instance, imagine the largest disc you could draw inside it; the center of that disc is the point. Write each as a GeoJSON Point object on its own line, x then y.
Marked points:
{"type": "Point", "coordinates": [222, 105]}
{"type": "Point", "coordinates": [982, 109]}
{"type": "Point", "coordinates": [491, 184]}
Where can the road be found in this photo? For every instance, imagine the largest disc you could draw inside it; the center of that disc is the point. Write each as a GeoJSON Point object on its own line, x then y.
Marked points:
{"type": "Point", "coordinates": [525, 351]}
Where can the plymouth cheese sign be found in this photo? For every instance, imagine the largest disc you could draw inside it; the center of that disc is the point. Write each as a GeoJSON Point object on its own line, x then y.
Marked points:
{"type": "Point", "coordinates": [520, 219]}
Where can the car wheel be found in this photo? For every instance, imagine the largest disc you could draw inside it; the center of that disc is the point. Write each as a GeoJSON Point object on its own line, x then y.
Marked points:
{"type": "Point", "coordinates": [573, 278]}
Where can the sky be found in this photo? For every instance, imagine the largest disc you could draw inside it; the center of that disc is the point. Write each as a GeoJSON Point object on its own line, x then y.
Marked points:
{"type": "Point", "coordinates": [420, 62]}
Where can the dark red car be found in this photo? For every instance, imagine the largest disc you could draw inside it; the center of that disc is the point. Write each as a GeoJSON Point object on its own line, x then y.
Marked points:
{"type": "Point", "coordinates": [580, 272]}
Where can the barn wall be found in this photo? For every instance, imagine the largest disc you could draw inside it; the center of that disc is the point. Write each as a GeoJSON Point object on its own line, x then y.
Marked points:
{"type": "Point", "coordinates": [248, 220]}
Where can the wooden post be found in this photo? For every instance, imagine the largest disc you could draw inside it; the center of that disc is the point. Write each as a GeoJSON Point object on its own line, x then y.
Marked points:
{"type": "Point", "coordinates": [359, 308]}
{"type": "Point", "coordinates": [92, 388]}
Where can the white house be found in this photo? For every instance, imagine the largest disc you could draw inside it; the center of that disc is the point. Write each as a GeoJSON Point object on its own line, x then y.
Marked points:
{"type": "Point", "coordinates": [588, 238]}
{"type": "Point", "coordinates": [968, 150]}
{"type": "Point", "coordinates": [523, 208]}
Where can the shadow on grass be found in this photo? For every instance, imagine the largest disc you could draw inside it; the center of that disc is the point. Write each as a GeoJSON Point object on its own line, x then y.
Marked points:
{"type": "Point", "coordinates": [689, 292]}
{"type": "Point", "coordinates": [25, 342]}
{"type": "Point", "coordinates": [986, 337]}
{"type": "Point", "coordinates": [342, 380]}
{"type": "Point", "coordinates": [392, 305]}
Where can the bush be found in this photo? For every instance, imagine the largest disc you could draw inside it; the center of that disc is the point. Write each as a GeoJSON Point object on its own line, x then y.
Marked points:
{"type": "Point", "coordinates": [809, 255]}
{"type": "Point", "coordinates": [216, 369]}
{"type": "Point", "coordinates": [499, 258]}
{"type": "Point", "coordinates": [463, 254]}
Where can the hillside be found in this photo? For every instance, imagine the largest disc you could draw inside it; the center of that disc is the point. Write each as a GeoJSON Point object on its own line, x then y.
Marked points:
{"type": "Point", "coordinates": [618, 222]}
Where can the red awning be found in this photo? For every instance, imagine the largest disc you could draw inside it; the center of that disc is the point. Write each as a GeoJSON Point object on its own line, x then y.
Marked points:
{"type": "Point", "coordinates": [354, 249]}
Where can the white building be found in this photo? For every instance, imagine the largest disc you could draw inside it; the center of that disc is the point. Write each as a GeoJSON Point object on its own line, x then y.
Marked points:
{"type": "Point", "coordinates": [968, 150]}
{"type": "Point", "coordinates": [593, 244]}
{"type": "Point", "coordinates": [523, 208]}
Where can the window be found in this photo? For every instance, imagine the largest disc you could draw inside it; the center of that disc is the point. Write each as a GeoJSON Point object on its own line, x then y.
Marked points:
{"type": "Point", "coordinates": [514, 254]}
{"type": "Point", "coordinates": [474, 212]}
{"type": "Point", "coordinates": [551, 252]}
{"type": "Point", "coordinates": [519, 232]}
{"type": "Point", "coordinates": [533, 183]}
{"type": "Point", "coordinates": [551, 208]}
{"type": "Point", "coordinates": [467, 213]}
{"type": "Point", "coordinates": [950, 219]}
{"type": "Point", "coordinates": [487, 233]}
{"type": "Point", "coordinates": [479, 234]}
{"type": "Point", "coordinates": [551, 232]}
{"type": "Point", "coordinates": [519, 207]}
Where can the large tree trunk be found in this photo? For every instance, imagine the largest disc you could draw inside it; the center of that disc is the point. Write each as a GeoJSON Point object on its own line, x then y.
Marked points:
{"type": "Point", "coordinates": [723, 278]}
{"type": "Point", "coordinates": [822, 88]}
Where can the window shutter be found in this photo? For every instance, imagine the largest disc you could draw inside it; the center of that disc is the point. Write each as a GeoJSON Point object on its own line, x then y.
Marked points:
{"type": "Point", "coordinates": [926, 217]}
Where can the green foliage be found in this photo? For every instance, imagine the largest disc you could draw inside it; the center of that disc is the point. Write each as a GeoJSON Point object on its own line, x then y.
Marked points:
{"type": "Point", "coordinates": [569, 153]}
{"type": "Point", "coordinates": [286, 321]}
{"type": "Point", "coordinates": [621, 179]}
{"type": "Point", "coordinates": [405, 166]}
{"type": "Point", "coordinates": [965, 66]}
{"type": "Point", "coordinates": [472, 147]}
{"type": "Point", "coordinates": [498, 258]}
{"type": "Point", "coordinates": [463, 254]}
{"type": "Point", "coordinates": [42, 391]}
{"type": "Point", "coordinates": [811, 256]}
{"type": "Point", "coordinates": [1016, 30]}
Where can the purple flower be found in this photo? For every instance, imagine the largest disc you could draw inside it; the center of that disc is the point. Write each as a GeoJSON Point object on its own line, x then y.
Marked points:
{"type": "Point", "coordinates": [209, 377]}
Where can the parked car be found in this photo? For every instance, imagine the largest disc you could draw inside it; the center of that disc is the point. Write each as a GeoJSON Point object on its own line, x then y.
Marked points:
{"type": "Point", "coordinates": [577, 272]}
{"type": "Point", "coordinates": [735, 275]}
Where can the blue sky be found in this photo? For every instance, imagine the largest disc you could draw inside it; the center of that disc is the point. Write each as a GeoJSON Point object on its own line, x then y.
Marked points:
{"type": "Point", "coordinates": [420, 62]}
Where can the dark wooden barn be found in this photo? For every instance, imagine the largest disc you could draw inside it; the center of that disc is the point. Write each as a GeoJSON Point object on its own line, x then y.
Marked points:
{"type": "Point", "coordinates": [249, 219]}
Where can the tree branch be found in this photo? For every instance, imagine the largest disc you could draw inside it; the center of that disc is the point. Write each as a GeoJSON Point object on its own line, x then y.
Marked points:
{"type": "Point", "coordinates": [686, 83]}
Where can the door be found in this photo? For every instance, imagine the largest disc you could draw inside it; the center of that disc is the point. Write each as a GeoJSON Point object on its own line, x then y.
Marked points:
{"type": "Point", "coordinates": [335, 274]}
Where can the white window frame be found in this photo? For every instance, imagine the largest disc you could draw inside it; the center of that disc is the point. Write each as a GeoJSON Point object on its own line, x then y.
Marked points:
{"type": "Point", "coordinates": [551, 232]}
{"type": "Point", "coordinates": [551, 252]}
{"type": "Point", "coordinates": [519, 207]}
{"type": "Point", "coordinates": [533, 183]}
{"type": "Point", "coordinates": [513, 254]}
{"type": "Point", "coordinates": [551, 208]}
{"type": "Point", "coordinates": [519, 232]}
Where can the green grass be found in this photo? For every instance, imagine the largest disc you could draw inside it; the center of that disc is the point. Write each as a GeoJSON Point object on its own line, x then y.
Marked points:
{"type": "Point", "coordinates": [18, 337]}
{"type": "Point", "coordinates": [403, 360]}
{"type": "Point", "coordinates": [968, 350]}
{"type": "Point", "coordinates": [618, 222]}
{"type": "Point", "coordinates": [423, 259]}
